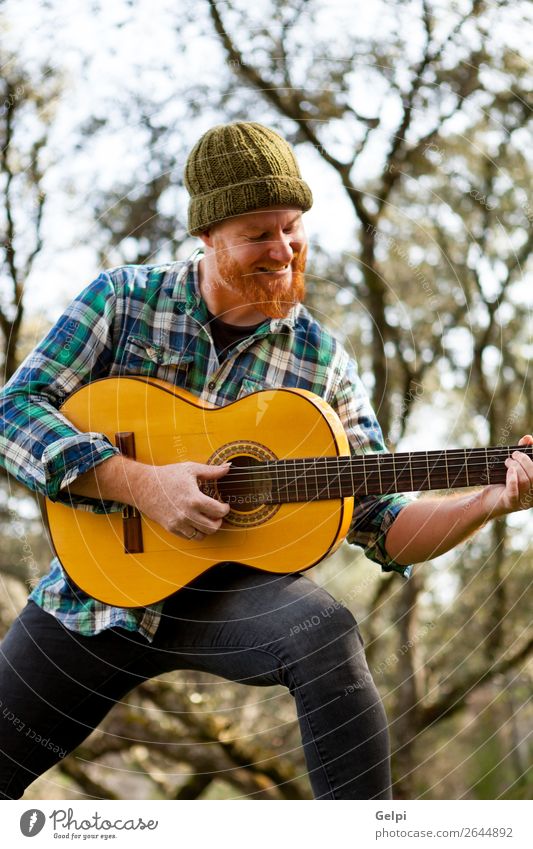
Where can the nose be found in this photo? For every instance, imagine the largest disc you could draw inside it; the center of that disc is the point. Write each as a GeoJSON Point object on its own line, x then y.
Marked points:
{"type": "Point", "coordinates": [282, 248]}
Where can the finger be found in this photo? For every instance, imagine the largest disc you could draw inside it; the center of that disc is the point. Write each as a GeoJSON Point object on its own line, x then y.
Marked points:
{"type": "Point", "coordinates": [525, 463]}
{"type": "Point", "coordinates": [526, 440]}
{"type": "Point", "coordinates": [525, 479]}
{"type": "Point", "coordinates": [193, 534]}
{"type": "Point", "coordinates": [196, 518]}
{"type": "Point", "coordinates": [205, 525]}
{"type": "Point", "coordinates": [519, 485]}
{"type": "Point", "coordinates": [511, 482]}
{"type": "Point", "coordinates": [210, 507]}
{"type": "Point", "coordinates": [205, 472]}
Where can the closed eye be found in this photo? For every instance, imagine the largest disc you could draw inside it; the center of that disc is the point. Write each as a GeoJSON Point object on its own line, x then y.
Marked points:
{"type": "Point", "coordinates": [287, 230]}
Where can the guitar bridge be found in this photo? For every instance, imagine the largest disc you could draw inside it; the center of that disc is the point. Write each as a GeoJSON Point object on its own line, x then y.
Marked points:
{"type": "Point", "coordinates": [131, 518]}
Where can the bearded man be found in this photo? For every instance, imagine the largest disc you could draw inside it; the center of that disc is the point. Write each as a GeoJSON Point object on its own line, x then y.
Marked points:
{"type": "Point", "coordinates": [226, 322]}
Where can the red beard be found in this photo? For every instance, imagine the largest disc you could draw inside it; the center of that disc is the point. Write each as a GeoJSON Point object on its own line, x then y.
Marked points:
{"type": "Point", "coordinates": [273, 298]}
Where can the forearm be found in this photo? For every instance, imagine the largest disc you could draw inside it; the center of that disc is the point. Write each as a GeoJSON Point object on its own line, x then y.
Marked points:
{"type": "Point", "coordinates": [39, 446]}
{"type": "Point", "coordinates": [431, 526]}
{"type": "Point", "coordinates": [118, 478]}
{"type": "Point", "coordinates": [169, 494]}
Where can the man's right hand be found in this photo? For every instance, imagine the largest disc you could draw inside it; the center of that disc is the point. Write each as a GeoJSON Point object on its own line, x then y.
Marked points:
{"type": "Point", "coordinates": [170, 494]}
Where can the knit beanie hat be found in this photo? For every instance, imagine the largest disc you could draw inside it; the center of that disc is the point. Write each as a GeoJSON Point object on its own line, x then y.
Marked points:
{"type": "Point", "coordinates": [240, 167]}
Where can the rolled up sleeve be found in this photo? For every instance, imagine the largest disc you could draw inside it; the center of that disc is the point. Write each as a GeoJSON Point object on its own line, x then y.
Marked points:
{"type": "Point", "coordinates": [373, 515]}
{"type": "Point", "coordinates": [39, 446]}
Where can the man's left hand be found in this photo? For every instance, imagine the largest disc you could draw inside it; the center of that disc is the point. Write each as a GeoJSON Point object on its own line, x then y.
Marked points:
{"type": "Point", "coordinates": [517, 492]}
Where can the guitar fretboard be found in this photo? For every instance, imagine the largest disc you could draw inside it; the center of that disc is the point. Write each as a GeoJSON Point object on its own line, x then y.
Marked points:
{"type": "Point", "coordinates": [318, 478]}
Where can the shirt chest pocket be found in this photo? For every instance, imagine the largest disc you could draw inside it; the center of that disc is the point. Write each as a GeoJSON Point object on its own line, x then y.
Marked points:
{"type": "Point", "coordinates": [142, 356]}
{"type": "Point", "coordinates": [252, 384]}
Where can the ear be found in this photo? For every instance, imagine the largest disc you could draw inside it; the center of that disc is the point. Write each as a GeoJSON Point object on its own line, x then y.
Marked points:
{"type": "Point", "coordinates": [207, 237]}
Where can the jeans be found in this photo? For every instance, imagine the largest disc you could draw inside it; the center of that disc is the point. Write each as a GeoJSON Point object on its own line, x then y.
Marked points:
{"type": "Point", "coordinates": [239, 623]}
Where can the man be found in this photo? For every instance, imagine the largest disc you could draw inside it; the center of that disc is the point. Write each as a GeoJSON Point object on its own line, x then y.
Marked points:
{"type": "Point", "coordinates": [226, 322]}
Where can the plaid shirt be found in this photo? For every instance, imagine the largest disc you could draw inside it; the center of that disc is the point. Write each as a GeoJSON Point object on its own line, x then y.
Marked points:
{"type": "Point", "coordinates": [150, 320]}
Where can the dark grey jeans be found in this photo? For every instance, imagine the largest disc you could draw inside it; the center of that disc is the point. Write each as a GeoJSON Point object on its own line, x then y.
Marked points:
{"type": "Point", "coordinates": [242, 624]}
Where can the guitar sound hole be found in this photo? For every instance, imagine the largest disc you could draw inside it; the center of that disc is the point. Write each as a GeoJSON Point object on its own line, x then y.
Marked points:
{"type": "Point", "coordinates": [242, 489]}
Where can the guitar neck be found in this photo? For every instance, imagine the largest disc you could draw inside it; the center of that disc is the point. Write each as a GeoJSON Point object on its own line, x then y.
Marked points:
{"type": "Point", "coordinates": [318, 478]}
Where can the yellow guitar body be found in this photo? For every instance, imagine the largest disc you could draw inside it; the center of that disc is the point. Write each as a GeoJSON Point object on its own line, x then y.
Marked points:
{"type": "Point", "coordinates": [170, 425]}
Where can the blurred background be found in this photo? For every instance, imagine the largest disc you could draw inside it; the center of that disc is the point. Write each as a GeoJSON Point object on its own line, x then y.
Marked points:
{"type": "Point", "coordinates": [411, 122]}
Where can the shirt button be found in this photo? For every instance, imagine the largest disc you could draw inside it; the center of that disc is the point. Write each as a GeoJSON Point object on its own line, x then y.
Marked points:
{"type": "Point", "coordinates": [211, 385]}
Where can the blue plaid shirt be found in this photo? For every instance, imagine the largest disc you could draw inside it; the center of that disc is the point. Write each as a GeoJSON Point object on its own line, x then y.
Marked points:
{"type": "Point", "coordinates": [151, 320]}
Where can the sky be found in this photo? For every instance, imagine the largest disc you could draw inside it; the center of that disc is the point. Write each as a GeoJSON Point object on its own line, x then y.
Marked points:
{"type": "Point", "coordinates": [100, 47]}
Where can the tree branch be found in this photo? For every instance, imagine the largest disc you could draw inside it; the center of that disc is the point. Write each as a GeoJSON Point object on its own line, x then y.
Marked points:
{"type": "Point", "coordinates": [455, 699]}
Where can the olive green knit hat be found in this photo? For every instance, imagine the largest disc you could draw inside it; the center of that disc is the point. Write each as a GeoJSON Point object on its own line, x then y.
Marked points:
{"type": "Point", "coordinates": [240, 167]}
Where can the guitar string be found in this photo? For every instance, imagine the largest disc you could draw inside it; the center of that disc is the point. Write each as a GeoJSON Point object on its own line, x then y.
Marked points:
{"type": "Point", "coordinates": [347, 465]}
{"type": "Point", "coordinates": [454, 454]}
{"type": "Point", "coordinates": [407, 457]}
{"type": "Point", "coordinates": [345, 474]}
{"type": "Point", "coordinates": [420, 475]}
{"type": "Point", "coordinates": [243, 473]}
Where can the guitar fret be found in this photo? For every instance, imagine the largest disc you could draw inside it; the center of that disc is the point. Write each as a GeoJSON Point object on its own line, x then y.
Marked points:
{"type": "Point", "coordinates": [276, 469]}
{"type": "Point", "coordinates": [286, 482]}
{"type": "Point", "coordinates": [410, 464]}
{"type": "Point", "coordinates": [447, 475]}
{"type": "Point", "coordinates": [327, 476]}
{"type": "Point", "coordinates": [466, 469]}
{"type": "Point", "coordinates": [379, 473]}
{"type": "Point", "coordinates": [394, 474]}
{"type": "Point", "coordinates": [295, 480]}
{"type": "Point", "coordinates": [364, 475]}
{"type": "Point", "coordinates": [427, 467]}
{"type": "Point", "coordinates": [487, 465]}
{"type": "Point", "coordinates": [316, 477]}
{"type": "Point", "coordinates": [305, 479]}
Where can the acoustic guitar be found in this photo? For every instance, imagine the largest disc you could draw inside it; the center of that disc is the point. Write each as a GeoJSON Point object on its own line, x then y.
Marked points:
{"type": "Point", "coordinates": [291, 485]}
